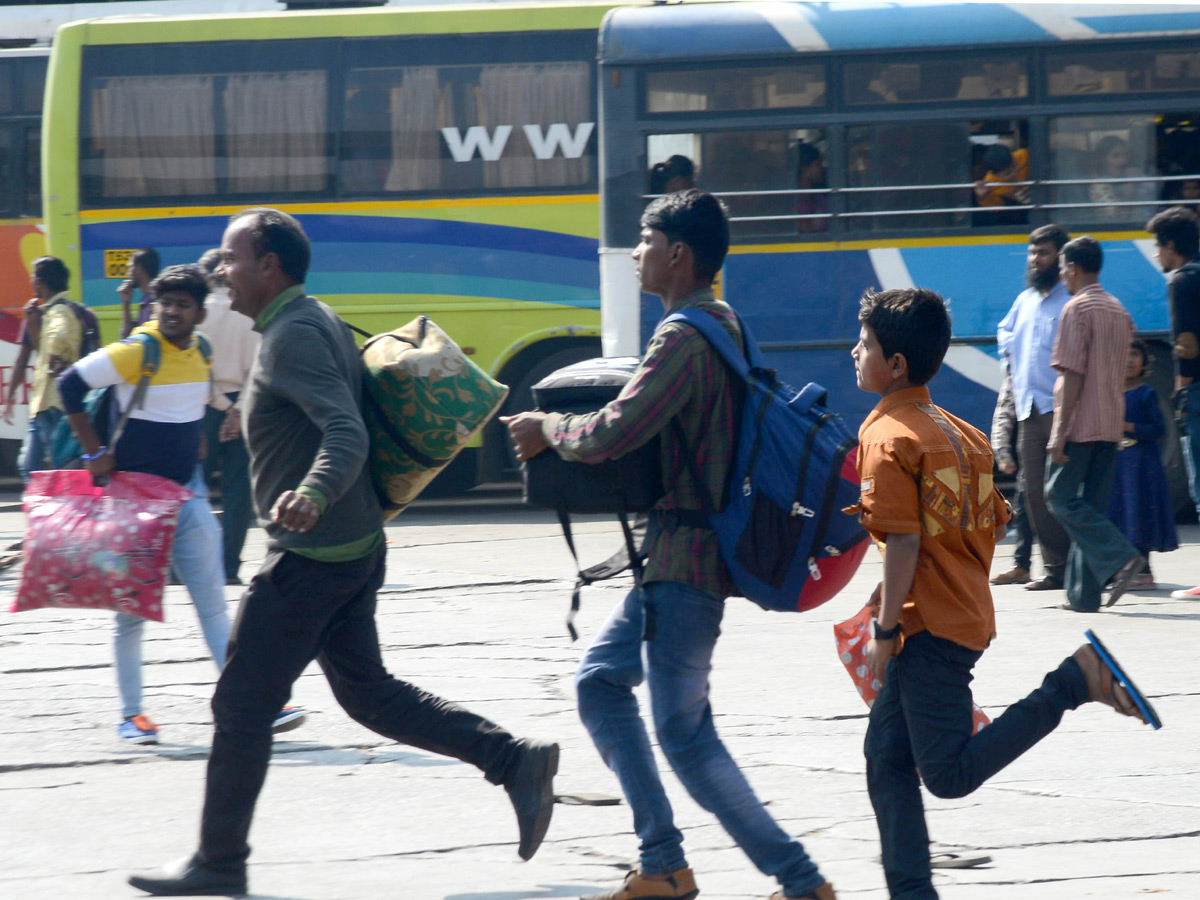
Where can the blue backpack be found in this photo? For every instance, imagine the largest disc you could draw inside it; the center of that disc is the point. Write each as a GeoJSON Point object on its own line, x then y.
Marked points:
{"type": "Point", "coordinates": [782, 532]}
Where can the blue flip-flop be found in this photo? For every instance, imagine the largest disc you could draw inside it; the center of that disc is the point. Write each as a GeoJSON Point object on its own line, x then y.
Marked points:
{"type": "Point", "coordinates": [1139, 699]}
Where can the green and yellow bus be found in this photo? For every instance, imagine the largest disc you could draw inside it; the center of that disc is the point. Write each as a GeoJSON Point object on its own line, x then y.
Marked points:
{"type": "Point", "coordinates": [442, 160]}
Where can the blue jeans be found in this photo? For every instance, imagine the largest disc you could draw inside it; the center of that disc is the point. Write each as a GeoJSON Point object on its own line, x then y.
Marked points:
{"type": "Point", "coordinates": [1077, 493]}
{"type": "Point", "coordinates": [921, 723]}
{"type": "Point", "coordinates": [38, 441]}
{"type": "Point", "coordinates": [1190, 439]}
{"type": "Point", "coordinates": [232, 460]}
{"type": "Point", "coordinates": [196, 557]}
{"type": "Point", "coordinates": [676, 665]}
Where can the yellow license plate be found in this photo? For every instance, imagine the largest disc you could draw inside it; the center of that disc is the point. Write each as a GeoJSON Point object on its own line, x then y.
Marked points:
{"type": "Point", "coordinates": [116, 263]}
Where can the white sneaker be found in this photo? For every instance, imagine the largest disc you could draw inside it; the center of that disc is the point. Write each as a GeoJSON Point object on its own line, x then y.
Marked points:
{"type": "Point", "coordinates": [1189, 594]}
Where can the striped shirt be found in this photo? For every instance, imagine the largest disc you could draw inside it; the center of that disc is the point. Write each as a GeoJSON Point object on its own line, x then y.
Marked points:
{"type": "Point", "coordinates": [163, 436]}
{"type": "Point", "coordinates": [1094, 335]}
{"type": "Point", "coordinates": [680, 377]}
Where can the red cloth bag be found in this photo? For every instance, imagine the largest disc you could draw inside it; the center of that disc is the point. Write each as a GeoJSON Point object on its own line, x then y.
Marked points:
{"type": "Point", "coordinates": [92, 547]}
{"type": "Point", "coordinates": [852, 637]}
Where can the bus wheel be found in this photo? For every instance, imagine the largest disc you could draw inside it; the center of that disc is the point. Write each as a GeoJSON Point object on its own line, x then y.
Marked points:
{"type": "Point", "coordinates": [520, 398]}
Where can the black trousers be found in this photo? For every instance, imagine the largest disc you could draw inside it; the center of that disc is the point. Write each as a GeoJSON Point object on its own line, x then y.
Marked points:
{"type": "Point", "coordinates": [921, 723]}
{"type": "Point", "coordinates": [296, 610]}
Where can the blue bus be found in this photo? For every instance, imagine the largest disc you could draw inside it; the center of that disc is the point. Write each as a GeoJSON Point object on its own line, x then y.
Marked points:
{"type": "Point", "coordinates": [851, 143]}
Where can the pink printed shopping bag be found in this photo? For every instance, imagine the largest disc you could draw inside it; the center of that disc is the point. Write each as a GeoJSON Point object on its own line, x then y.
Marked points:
{"type": "Point", "coordinates": [852, 637]}
{"type": "Point", "coordinates": [92, 547]}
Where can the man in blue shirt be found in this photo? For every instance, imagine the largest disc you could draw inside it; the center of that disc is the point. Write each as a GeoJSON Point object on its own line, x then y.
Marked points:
{"type": "Point", "coordinates": [1026, 340]}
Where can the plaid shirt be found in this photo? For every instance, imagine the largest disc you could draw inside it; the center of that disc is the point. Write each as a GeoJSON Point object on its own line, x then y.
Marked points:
{"type": "Point", "coordinates": [680, 377]}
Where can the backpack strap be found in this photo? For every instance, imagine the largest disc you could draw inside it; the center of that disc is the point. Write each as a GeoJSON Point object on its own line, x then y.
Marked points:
{"type": "Point", "coordinates": [628, 557]}
{"type": "Point", "coordinates": [722, 341]}
{"type": "Point", "coordinates": [151, 354]}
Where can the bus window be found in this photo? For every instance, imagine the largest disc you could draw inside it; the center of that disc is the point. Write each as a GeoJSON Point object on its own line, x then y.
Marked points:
{"type": "Point", "coordinates": [772, 182]}
{"type": "Point", "coordinates": [7, 77]}
{"type": "Point", "coordinates": [33, 172]}
{"type": "Point", "coordinates": [1000, 172]}
{"type": "Point", "coordinates": [1103, 168]}
{"type": "Point", "coordinates": [936, 80]}
{"type": "Point", "coordinates": [1106, 71]}
{"type": "Point", "coordinates": [459, 128]}
{"type": "Point", "coordinates": [31, 85]}
{"type": "Point", "coordinates": [150, 137]}
{"type": "Point", "coordinates": [1179, 159]}
{"type": "Point", "coordinates": [726, 90]}
{"type": "Point", "coordinates": [7, 201]}
{"type": "Point", "coordinates": [276, 134]}
{"type": "Point", "coordinates": [895, 171]}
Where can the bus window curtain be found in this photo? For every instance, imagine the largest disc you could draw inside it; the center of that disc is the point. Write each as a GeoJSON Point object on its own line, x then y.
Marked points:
{"type": "Point", "coordinates": [416, 132]}
{"type": "Point", "coordinates": [154, 136]}
{"type": "Point", "coordinates": [276, 132]}
{"type": "Point", "coordinates": [541, 96]}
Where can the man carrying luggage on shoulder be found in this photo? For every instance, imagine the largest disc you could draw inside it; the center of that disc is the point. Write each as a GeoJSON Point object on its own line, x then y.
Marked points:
{"type": "Point", "coordinates": [314, 597]}
{"type": "Point", "coordinates": [684, 239]}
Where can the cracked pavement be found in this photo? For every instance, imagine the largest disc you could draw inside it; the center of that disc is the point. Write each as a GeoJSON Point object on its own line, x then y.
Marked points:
{"type": "Point", "coordinates": [474, 609]}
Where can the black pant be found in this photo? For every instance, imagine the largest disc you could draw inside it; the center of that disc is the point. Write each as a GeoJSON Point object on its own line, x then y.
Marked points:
{"type": "Point", "coordinates": [1033, 434]}
{"type": "Point", "coordinates": [1023, 551]}
{"type": "Point", "coordinates": [921, 723]}
{"type": "Point", "coordinates": [296, 610]}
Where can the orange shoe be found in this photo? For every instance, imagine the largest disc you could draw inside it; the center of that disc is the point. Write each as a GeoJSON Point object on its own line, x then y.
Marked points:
{"type": "Point", "coordinates": [138, 730]}
{"type": "Point", "coordinates": [679, 885]}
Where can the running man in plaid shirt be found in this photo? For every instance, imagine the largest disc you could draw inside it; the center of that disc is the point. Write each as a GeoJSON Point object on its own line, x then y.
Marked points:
{"type": "Point", "coordinates": [684, 239]}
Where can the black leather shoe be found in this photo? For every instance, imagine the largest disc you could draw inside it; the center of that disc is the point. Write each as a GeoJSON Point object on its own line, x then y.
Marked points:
{"type": "Point", "coordinates": [188, 878]}
{"type": "Point", "coordinates": [531, 791]}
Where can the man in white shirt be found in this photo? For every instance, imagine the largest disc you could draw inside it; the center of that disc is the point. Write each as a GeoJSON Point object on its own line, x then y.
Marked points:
{"type": "Point", "coordinates": [235, 343]}
{"type": "Point", "coordinates": [1026, 339]}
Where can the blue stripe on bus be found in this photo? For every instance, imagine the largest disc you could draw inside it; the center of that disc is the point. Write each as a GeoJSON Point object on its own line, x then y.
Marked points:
{"type": "Point", "coordinates": [207, 230]}
{"type": "Point", "coordinates": [393, 284]}
{"type": "Point", "coordinates": [866, 25]}
{"type": "Point", "coordinates": [1137, 23]}
{"type": "Point", "coordinates": [442, 259]}
{"type": "Point", "coordinates": [203, 231]}
{"type": "Point", "coordinates": [388, 229]}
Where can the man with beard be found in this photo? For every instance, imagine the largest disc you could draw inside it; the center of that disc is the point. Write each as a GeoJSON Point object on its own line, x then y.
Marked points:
{"type": "Point", "coordinates": [1026, 340]}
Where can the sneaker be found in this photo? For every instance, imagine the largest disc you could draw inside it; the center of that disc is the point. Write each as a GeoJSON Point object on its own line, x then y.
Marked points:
{"type": "Point", "coordinates": [1015, 575]}
{"type": "Point", "coordinates": [679, 885]}
{"type": "Point", "coordinates": [288, 719]}
{"type": "Point", "coordinates": [1189, 594]}
{"type": "Point", "coordinates": [138, 730]}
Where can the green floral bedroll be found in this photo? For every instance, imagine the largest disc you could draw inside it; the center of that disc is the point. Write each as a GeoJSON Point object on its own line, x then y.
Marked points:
{"type": "Point", "coordinates": [423, 401]}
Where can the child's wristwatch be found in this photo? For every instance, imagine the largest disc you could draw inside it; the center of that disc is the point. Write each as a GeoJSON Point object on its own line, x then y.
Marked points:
{"type": "Point", "coordinates": [884, 634]}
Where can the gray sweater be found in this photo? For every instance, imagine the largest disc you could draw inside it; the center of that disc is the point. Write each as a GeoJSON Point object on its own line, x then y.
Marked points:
{"type": "Point", "coordinates": [302, 422]}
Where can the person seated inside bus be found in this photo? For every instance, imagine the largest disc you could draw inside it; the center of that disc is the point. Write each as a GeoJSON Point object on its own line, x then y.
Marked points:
{"type": "Point", "coordinates": [675, 173]}
{"type": "Point", "coordinates": [1185, 193]}
{"type": "Point", "coordinates": [996, 190]}
{"type": "Point", "coordinates": [1111, 159]}
{"type": "Point", "coordinates": [811, 176]}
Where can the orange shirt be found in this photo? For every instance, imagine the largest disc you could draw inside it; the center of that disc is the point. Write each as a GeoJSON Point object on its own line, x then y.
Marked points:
{"type": "Point", "coordinates": [927, 472]}
{"type": "Point", "coordinates": [998, 194]}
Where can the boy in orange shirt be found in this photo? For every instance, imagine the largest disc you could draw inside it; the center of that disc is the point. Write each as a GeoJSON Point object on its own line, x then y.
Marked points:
{"type": "Point", "coordinates": [929, 501]}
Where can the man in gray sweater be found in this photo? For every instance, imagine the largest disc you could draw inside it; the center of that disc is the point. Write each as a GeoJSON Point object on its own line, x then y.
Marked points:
{"type": "Point", "coordinates": [314, 597]}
